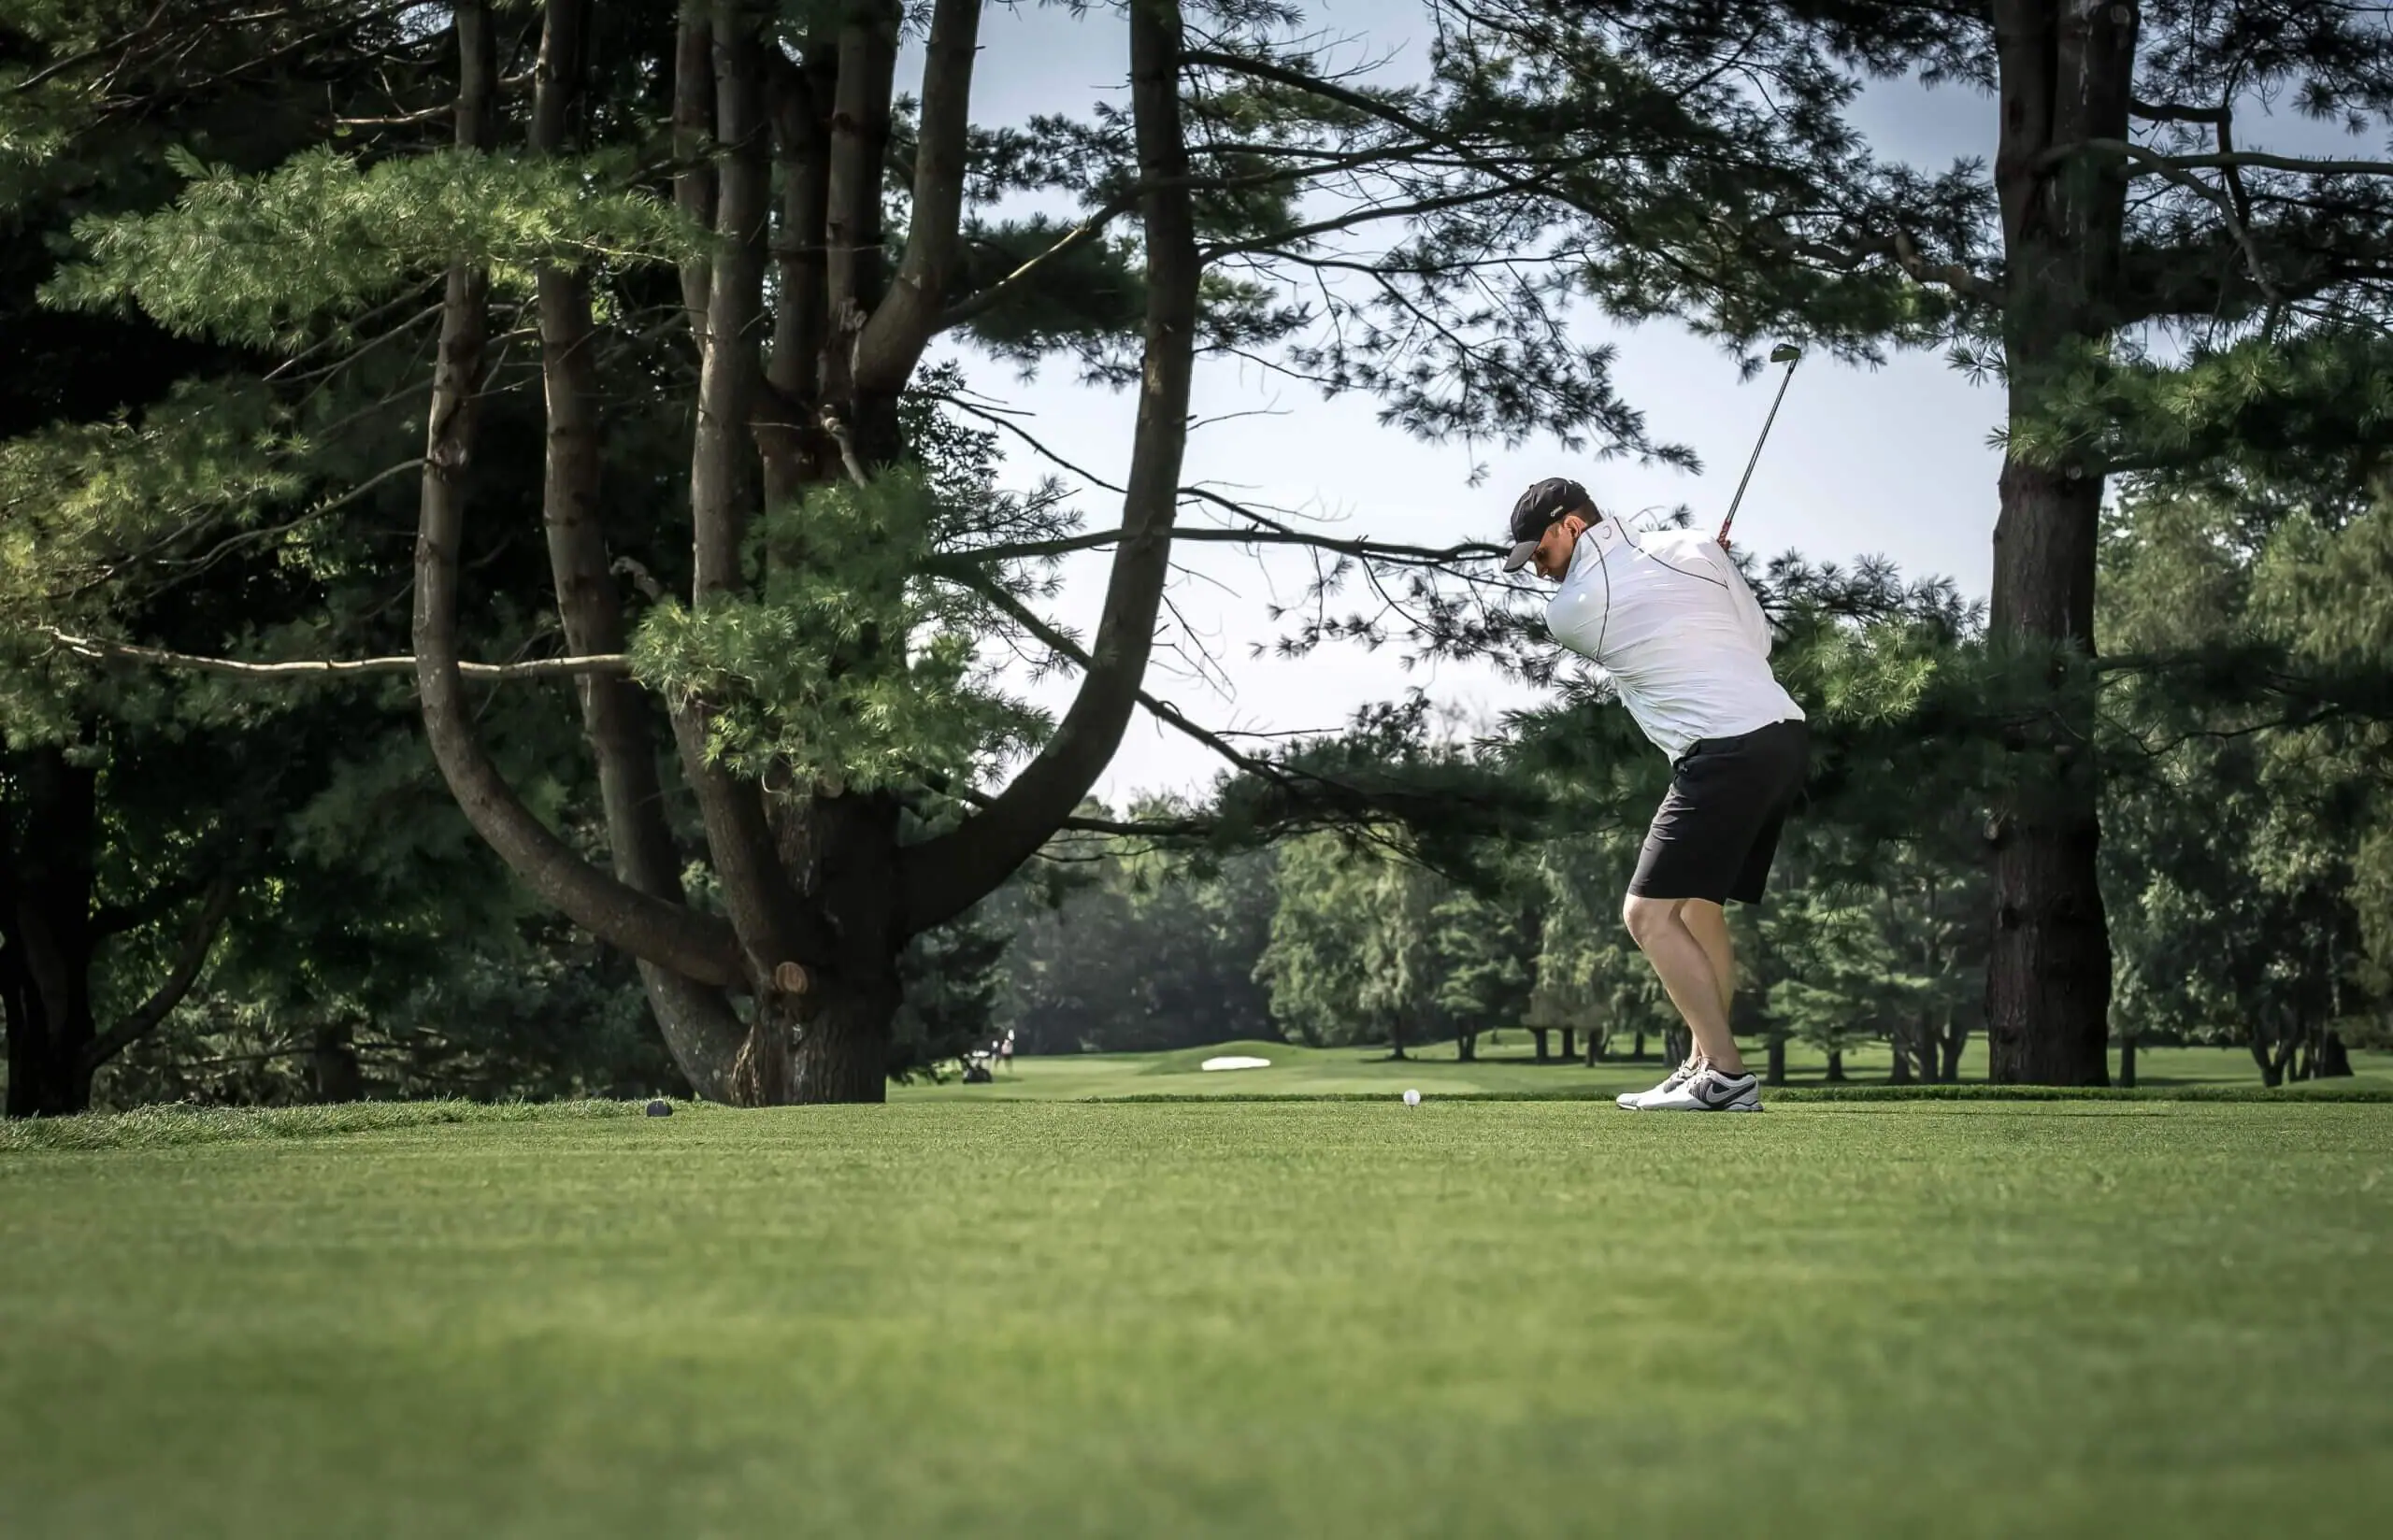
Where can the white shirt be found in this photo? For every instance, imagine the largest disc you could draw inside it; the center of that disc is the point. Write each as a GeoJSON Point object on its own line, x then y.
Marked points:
{"type": "Point", "coordinates": [1669, 618]}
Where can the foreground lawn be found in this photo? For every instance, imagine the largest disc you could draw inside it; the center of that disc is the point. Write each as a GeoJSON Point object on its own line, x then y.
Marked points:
{"type": "Point", "coordinates": [1238, 1319]}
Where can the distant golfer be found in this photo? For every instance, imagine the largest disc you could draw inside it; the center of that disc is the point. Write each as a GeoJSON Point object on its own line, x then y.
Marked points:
{"type": "Point", "coordinates": [1669, 618]}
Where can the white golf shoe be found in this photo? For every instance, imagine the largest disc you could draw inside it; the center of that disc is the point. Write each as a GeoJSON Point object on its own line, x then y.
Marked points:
{"type": "Point", "coordinates": [1706, 1091]}
{"type": "Point", "coordinates": [1631, 1100]}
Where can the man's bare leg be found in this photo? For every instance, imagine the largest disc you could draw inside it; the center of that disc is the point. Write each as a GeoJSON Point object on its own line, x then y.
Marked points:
{"type": "Point", "coordinates": [1709, 924]}
{"type": "Point", "coordinates": [1687, 973]}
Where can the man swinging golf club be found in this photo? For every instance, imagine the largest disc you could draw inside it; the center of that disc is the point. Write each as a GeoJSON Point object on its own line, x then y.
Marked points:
{"type": "Point", "coordinates": [1669, 618]}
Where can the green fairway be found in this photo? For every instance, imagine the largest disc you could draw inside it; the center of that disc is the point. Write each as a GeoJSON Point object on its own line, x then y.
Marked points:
{"type": "Point", "coordinates": [1235, 1318]}
{"type": "Point", "coordinates": [1505, 1068]}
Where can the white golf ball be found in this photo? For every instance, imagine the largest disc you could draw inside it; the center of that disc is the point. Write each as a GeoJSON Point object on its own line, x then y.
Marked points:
{"type": "Point", "coordinates": [1412, 1098]}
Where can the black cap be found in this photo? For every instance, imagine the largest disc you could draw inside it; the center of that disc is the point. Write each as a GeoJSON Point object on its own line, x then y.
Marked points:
{"type": "Point", "coordinates": [1536, 512]}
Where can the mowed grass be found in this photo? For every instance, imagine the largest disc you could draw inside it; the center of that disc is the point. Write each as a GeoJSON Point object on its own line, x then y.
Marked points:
{"type": "Point", "coordinates": [1508, 1067]}
{"type": "Point", "coordinates": [1025, 1319]}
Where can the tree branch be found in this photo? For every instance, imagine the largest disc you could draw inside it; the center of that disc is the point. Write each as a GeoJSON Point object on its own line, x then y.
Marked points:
{"type": "Point", "coordinates": [1278, 240]}
{"type": "Point", "coordinates": [200, 940]}
{"type": "Point", "coordinates": [982, 301]}
{"type": "Point", "coordinates": [1430, 556]}
{"type": "Point", "coordinates": [943, 877]}
{"type": "Point", "coordinates": [1404, 555]}
{"type": "Point", "coordinates": [2177, 112]}
{"type": "Point", "coordinates": [908, 316]}
{"type": "Point", "coordinates": [1155, 829]}
{"type": "Point", "coordinates": [114, 919]}
{"type": "Point", "coordinates": [2174, 169]}
{"type": "Point", "coordinates": [317, 668]}
{"type": "Point", "coordinates": [2260, 160]}
{"type": "Point", "coordinates": [1163, 711]}
{"type": "Point", "coordinates": [1899, 248]}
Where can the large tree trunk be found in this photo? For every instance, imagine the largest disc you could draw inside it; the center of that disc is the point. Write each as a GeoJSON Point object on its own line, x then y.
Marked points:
{"type": "Point", "coordinates": [51, 931]}
{"type": "Point", "coordinates": [2066, 71]}
{"type": "Point", "coordinates": [46, 933]}
{"type": "Point", "coordinates": [333, 1058]}
{"type": "Point", "coordinates": [1540, 1034]}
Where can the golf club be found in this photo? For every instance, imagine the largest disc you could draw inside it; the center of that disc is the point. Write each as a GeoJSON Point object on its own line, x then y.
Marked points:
{"type": "Point", "coordinates": [1790, 355]}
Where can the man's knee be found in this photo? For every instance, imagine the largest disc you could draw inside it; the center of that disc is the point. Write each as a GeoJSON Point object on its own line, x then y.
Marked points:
{"type": "Point", "coordinates": [1644, 916]}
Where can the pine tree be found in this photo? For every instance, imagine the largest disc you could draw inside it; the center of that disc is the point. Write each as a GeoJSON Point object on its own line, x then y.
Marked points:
{"type": "Point", "coordinates": [806, 666]}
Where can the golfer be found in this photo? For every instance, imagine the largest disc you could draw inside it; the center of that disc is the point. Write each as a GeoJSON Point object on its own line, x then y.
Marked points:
{"type": "Point", "coordinates": [1667, 617]}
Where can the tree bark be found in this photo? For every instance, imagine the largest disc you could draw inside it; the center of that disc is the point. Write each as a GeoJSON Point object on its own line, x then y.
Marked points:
{"type": "Point", "coordinates": [1774, 1069]}
{"type": "Point", "coordinates": [692, 149]}
{"type": "Point", "coordinates": [843, 852]}
{"type": "Point", "coordinates": [844, 1041]}
{"type": "Point", "coordinates": [2126, 1063]}
{"type": "Point", "coordinates": [1954, 1042]}
{"type": "Point", "coordinates": [1539, 1033]}
{"type": "Point", "coordinates": [790, 437]}
{"type": "Point", "coordinates": [867, 61]}
{"type": "Point", "coordinates": [2066, 70]}
{"type": "Point", "coordinates": [696, 1022]}
{"type": "Point", "coordinates": [902, 323]}
{"type": "Point", "coordinates": [1836, 1068]}
{"type": "Point", "coordinates": [333, 1057]}
{"type": "Point", "coordinates": [46, 934]}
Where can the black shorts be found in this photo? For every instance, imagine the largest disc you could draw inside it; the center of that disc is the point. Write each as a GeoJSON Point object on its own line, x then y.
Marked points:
{"type": "Point", "coordinates": [1714, 835]}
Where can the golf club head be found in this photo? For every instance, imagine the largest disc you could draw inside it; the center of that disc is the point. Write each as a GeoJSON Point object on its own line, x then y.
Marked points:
{"type": "Point", "coordinates": [1785, 352]}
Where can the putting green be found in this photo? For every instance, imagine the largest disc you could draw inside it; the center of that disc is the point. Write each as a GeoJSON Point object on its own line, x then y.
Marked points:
{"type": "Point", "coordinates": [1233, 1318]}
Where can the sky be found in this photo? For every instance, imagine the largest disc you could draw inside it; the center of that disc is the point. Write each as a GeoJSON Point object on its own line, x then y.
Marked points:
{"type": "Point", "coordinates": [1892, 461]}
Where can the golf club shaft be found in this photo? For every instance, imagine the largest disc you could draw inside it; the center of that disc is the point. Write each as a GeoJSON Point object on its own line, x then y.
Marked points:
{"type": "Point", "coordinates": [1788, 378]}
